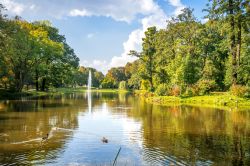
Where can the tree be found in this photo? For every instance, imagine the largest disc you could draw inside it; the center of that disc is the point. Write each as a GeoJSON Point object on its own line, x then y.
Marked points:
{"type": "Point", "coordinates": [18, 55]}
{"type": "Point", "coordinates": [113, 77]}
{"type": "Point", "coordinates": [235, 14]}
{"type": "Point", "coordinates": [34, 53]}
{"type": "Point", "coordinates": [147, 56]}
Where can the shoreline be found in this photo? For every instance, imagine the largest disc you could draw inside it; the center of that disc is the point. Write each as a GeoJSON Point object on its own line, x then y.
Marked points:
{"type": "Point", "coordinates": [7, 95]}
{"type": "Point", "coordinates": [223, 100]}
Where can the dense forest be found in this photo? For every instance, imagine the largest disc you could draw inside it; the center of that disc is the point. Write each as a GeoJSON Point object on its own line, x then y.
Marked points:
{"type": "Point", "coordinates": [186, 58]}
{"type": "Point", "coordinates": [193, 58]}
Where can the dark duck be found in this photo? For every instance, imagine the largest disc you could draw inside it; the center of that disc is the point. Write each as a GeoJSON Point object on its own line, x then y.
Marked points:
{"type": "Point", "coordinates": [105, 140]}
{"type": "Point", "coordinates": [45, 138]}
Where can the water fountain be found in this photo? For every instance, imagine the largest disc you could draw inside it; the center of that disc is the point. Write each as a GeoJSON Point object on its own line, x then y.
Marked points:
{"type": "Point", "coordinates": [89, 81]}
{"type": "Point", "coordinates": [89, 91]}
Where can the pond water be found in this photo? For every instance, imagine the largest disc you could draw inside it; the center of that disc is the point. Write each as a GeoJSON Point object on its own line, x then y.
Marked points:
{"type": "Point", "coordinates": [147, 134]}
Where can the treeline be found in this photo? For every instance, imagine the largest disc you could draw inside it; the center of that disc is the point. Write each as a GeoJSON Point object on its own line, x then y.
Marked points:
{"type": "Point", "coordinates": [36, 55]}
{"type": "Point", "coordinates": [81, 77]}
{"type": "Point", "coordinates": [193, 58]}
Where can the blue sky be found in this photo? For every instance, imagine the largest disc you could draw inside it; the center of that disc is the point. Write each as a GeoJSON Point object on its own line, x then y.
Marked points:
{"type": "Point", "coordinates": [103, 31]}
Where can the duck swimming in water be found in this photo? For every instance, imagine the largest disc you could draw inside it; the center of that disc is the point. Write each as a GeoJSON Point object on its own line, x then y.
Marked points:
{"type": "Point", "coordinates": [105, 140]}
{"type": "Point", "coordinates": [45, 138]}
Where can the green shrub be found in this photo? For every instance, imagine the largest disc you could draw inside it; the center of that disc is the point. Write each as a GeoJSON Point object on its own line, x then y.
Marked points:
{"type": "Point", "coordinates": [144, 85]}
{"type": "Point", "coordinates": [162, 90]}
{"type": "Point", "coordinates": [239, 90]}
{"type": "Point", "coordinates": [123, 85]}
{"type": "Point", "coordinates": [189, 92]}
{"type": "Point", "coordinates": [108, 83]}
{"type": "Point", "coordinates": [205, 86]}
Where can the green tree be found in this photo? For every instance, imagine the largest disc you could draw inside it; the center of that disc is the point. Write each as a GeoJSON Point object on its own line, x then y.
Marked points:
{"type": "Point", "coordinates": [235, 14]}
{"type": "Point", "coordinates": [147, 56]}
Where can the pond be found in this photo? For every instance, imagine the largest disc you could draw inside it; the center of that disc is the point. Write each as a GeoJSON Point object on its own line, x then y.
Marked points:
{"type": "Point", "coordinates": [147, 134]}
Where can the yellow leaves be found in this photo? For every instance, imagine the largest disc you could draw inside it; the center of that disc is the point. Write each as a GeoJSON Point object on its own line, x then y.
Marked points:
{"type": "Point", "coordinates": [11, 73]}
{"type": "Point", "coordinates": [5, 79]}
{"type": "Point", "coordinates": [39, 33]}
{"type": "Point", "coordinates": [82, 69]}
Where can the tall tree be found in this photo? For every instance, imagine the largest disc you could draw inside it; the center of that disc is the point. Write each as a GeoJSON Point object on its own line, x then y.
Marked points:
{"type": "Point", "coordinates": [234, 12]}
{"type": "Point", "coordinates": [147, 56]}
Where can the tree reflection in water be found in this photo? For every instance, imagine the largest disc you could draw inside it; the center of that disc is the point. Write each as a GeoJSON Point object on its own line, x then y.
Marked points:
{"type": "Point", "coordinates": [148, 134]}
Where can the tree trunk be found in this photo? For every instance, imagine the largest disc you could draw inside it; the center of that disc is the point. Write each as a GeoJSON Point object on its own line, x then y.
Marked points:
{"type": "Point", "coordinates": [151, 84]}
{"type": "Point", "coordinates": [239, 27]}
{"type": "Point", "coordinates": [19, 81]}
{"type": "Point", "coordinates": [43, 84]}
{"type": "Point", "coordinates": [239, 43]}
{"type": "Point", "coordinates": [36, 80]}
{"type": "Point", "coordinates": [151, 74]}
{"type": "Point", "coordinates": [232, 41]}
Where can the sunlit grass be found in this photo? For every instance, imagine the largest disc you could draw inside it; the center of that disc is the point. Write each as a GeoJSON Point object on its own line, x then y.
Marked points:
{"type": "Point", "coordinates": [219, 100]}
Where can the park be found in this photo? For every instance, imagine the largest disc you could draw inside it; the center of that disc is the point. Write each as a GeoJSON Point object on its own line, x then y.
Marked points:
{"type": "Point", "coordinates": [182, 98]}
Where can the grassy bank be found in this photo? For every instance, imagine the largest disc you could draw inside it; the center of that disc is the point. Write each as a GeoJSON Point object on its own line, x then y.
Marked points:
{"type": "Point", "coordinates": [4, 94]}
{"type": "Point", "coordinates": [217, 100]}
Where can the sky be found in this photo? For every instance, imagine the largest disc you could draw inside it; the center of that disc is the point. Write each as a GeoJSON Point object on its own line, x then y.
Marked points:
{"type": "Point", "coordinates": [102, 32]}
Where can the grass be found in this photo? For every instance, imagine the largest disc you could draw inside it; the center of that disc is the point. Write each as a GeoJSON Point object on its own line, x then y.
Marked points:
{"type": "Point", "coordinates": [216, 100]}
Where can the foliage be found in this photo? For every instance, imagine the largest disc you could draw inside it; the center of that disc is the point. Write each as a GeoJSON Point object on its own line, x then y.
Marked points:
{"type": "Point", "coordinates": [147, 56]}
{"type": "Point", "coordinates": [123, 85]}
{"type": "Point", "coordinates": [145, 85]}
{"type": "Point", "coordinates": [108, 83]}
{"type": "Point", "coordinates": [205, 86]}
{"type": "Point", "coordinates": [81, 76]}
{"type": "Point", "coordinates": [162, 90]}
{"type": "Point", "coordinates": [133, 75]}
{"type": "Point", "coordinates": [176, 90]}
{"type": "Point", "coordinates": [239, 90]}
{"type": "Point", "coordinates": [194, 58]}
{"type": "Point", "coordinates": [113, 77]}
{"type": "Point", "coordinates": [34, 54]}
{"type": "Point", "coordinates": [186, 58]}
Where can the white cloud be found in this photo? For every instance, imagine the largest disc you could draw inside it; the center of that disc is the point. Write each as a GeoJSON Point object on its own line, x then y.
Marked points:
{"type": "Point", "coordinates": [151, 14]}
{"type": "Point", "coordinates": [157, 18]}
{"type": "Point", "coordinates": [134, 42]}
{"type": "Point", "coordinates": [13, 7]}
{"type": "Point", "coordinates": [203, 21]}
{"type": "Point", "coordinates": [90, 35]}
{"type": "Point", "coordinates": [32, 7]}
{"type": "Point", "coordinates": [178, 6]}
{"type": "Point", "coordinates": [119, 10]}
{"type": "Point", "coordinates": [76, 12]}
{"type": "Point", "coordinates": [119, 61]}
{"type": "Point", "coordinates": [17, 8]}
{"type": "Point", "coordinates": [97, 64]}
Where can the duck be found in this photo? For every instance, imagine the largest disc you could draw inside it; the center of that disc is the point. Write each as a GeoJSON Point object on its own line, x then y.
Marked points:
{"type": "Point", "coordinates": [105, 140]}
{"type": "Point", "coordinates": [45, 138]}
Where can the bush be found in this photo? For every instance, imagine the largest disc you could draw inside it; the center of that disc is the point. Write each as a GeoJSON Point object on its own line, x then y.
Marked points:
{"type": "Point", "coordinates": [108, 83]}
{"type": "Point", "coordinates": [144, 85]}
{"type": "Point", "coordinates": [239, 90]}
{"type": "Point", "coordinates": [176, 91]}
{"type": "Point", "coordinates": [162, 90]}
{"type": "Point", "coordinates": [205, 86]}
{"type": "Point", "coordinates": [189, 92]}
{"type": "Point", "coordinates": [123, 85]}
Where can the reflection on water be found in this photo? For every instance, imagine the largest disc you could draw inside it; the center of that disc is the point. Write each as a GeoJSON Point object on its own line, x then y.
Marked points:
{"type": "Point", "coordinates": [89, 101]}
{"type": "Point", "coordinates": [147, 134]}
